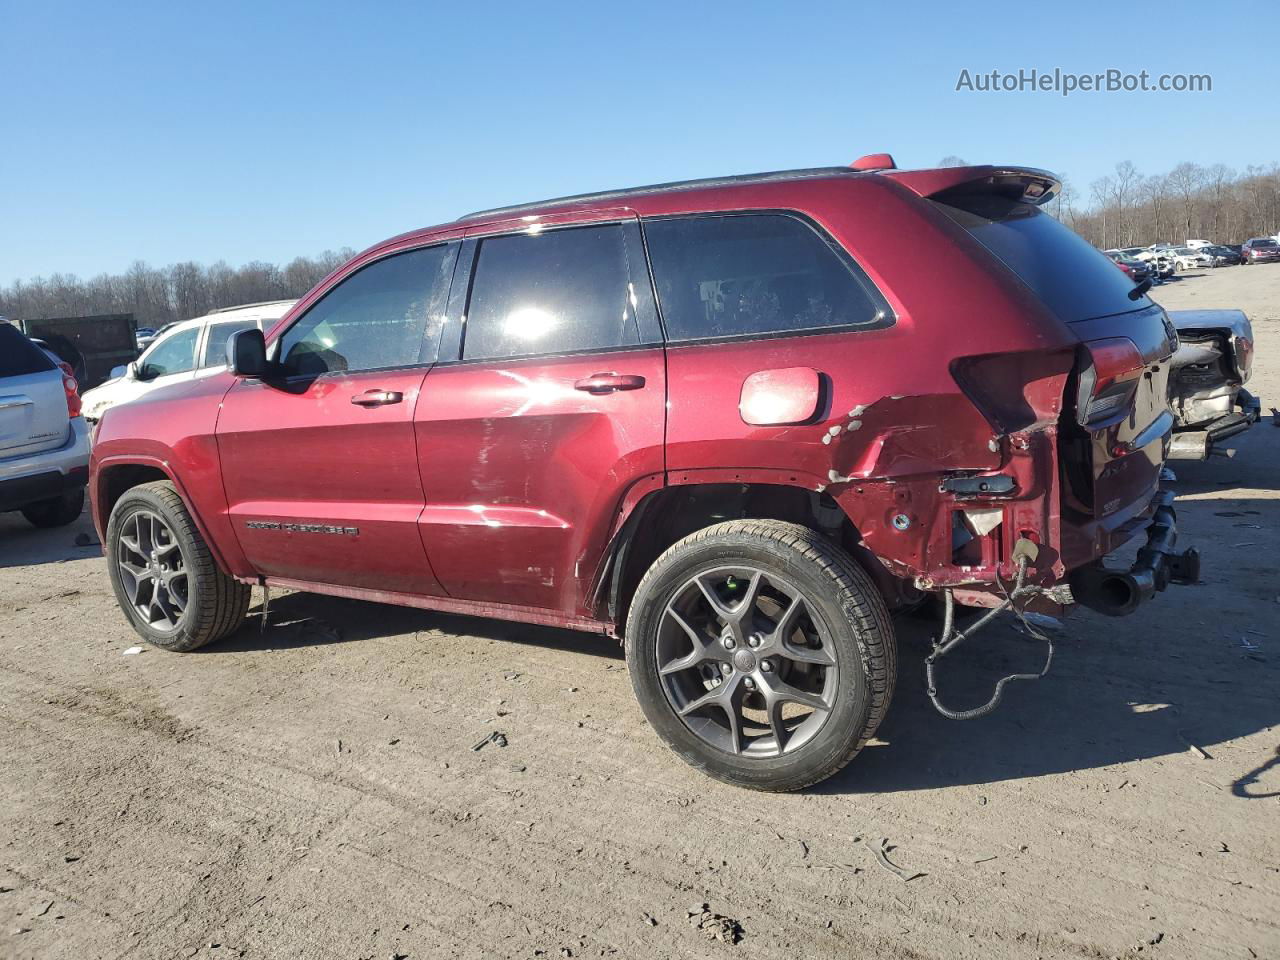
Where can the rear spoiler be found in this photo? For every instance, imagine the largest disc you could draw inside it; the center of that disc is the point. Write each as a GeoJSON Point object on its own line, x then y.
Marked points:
{"type": "Point", "coordinates": [1028, 184]}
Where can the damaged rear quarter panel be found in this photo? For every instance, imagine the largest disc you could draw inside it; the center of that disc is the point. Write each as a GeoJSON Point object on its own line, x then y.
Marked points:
{"type": "Point", "coordinates": [893, 421]}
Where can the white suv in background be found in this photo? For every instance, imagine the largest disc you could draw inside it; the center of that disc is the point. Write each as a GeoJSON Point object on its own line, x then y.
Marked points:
{"type": "Point", "coordinates": [44, 443]}
{"type": "Point", "coordinates": [183, 351]}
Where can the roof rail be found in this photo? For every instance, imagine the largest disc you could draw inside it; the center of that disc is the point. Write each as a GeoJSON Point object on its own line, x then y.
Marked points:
{"type": "Point", "coordinates": [246, 306]}
{"type": "Point", "coordinates": [733, 181]}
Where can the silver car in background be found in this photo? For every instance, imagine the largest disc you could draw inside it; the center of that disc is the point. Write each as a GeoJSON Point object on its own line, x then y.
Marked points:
{"type": "Point", "coordinates": [1206, 384]}
{"type": "Point", "coordinates": [1186, 258]}
{"type": "Point", "coordinates": [44, 441]}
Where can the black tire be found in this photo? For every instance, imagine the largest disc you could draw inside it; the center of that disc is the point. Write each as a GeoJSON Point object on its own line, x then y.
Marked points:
{"type": "Point", "coordinates": [844, 608]}
{"type": "Point", "coordinates": [215, 603]}
{"type": "Point", "coordinates": [57, 512]}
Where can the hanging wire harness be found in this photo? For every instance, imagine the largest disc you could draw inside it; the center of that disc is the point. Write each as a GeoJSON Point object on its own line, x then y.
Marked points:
{"type": "Point", "coordinates": [1015, 599]}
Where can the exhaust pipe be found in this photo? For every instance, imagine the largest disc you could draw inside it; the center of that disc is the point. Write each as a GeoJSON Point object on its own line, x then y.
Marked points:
{"type": "Point", "coordinates": [1118, 593]}
{"type": "Point", "coordinates": [1115, 593]}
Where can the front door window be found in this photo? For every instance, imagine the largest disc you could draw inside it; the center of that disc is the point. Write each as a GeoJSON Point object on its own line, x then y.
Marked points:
{"type": "Point", "coordinates": [174, 354]}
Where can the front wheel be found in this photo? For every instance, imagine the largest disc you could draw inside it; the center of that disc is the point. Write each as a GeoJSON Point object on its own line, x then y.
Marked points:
{"type": "Point", "coordinates": [164, 577]}
{"type": "Point", "coordinates": [761, 653]}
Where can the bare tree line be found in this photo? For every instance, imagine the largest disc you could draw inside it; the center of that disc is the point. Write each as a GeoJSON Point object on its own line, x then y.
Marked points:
{"type": "Point", "coordinates": [158, 295]}
{"type": "Point", "coordinates": [1128, 209]}
{"type": "Point", "coordinates": [1124, 209]}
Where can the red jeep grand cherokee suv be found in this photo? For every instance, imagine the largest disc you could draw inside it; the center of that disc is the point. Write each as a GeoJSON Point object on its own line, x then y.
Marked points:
{"type": "Point", "coordinates": [735, 421]}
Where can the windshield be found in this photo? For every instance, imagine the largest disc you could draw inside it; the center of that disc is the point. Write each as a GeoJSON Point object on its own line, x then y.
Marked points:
{"type": "Point", "coordinates": [1071, 277]}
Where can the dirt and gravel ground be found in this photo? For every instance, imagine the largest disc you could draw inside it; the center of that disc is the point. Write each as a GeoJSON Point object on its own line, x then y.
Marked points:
{"type": "Point", "coordinates": [311, 791]}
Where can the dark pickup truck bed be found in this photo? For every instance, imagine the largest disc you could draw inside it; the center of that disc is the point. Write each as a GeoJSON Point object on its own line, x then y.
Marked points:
{"type": "Point", "coordinates": [92, 345]}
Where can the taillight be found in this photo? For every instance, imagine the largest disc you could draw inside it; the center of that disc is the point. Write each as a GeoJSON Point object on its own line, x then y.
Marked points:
{"type": "Point", "coordinates": [1108, 379]}
{"type": "Point", "coordinates": [1244, 357]}
{"type": "Point", "coordinates": [72, 388]}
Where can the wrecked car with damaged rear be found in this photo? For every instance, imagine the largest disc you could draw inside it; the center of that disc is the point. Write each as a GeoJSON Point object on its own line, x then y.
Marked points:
{"type": "Point", "coordinates": [1206, 384]}
{"type": "Point", "coordinates": [729, 421]}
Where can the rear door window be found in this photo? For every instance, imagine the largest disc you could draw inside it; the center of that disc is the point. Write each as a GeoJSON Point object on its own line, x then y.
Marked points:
{"type": "Point", "coordinates": [18, 355]}
{"type": "Point", "coordinates": [556, 291]}
{"type": "Point", "coordinates": [1071, 277]}
{"type": "Point", "coordinates": [755, 274]}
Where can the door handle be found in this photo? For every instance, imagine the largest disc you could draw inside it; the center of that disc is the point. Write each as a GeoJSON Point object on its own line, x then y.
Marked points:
{"type": "Point", "coordinates": [609, 382]}
{"type": "Point", "coordinates": [377, 398]}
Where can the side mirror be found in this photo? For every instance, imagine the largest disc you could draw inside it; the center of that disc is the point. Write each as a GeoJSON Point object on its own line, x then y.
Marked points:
{"type": "Point", "coordinates": [247, 353]}
{"type": "Point", "coordinates": [118, 372]}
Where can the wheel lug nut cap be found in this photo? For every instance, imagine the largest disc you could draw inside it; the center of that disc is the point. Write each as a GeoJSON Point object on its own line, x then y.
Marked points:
{"type": "Point", "coordinates": [728, 643]}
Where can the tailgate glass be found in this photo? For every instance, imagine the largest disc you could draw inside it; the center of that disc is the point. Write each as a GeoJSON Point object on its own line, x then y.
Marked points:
{"type": "Point", "coordinates": [18, 355]}
{"type": "Point", "coordinates": [1070, 276]}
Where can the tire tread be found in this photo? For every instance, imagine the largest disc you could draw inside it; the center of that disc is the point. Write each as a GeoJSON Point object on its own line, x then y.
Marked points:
{"type": "Point", "coordinates": [220, 601]}
{"type": "Point", "coordinates": [858, 596]}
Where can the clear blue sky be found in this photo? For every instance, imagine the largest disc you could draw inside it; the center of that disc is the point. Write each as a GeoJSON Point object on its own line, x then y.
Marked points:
{"type": "Point", "coordinates": [176, 131]}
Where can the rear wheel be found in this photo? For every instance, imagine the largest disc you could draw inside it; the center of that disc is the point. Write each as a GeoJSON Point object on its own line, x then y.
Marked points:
{"type": "Point", "coordinates": [163, 574]}
{"type": "Point", "coordinates": [761, 653]}
{"type": "Point", "coordinates": [56, 512]}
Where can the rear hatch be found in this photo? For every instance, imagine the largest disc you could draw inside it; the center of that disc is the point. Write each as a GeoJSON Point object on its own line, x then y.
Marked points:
{"type": "Point", "coordinates": [1117, 422]}
{"type": "Point", "coordinates": [33, 400]}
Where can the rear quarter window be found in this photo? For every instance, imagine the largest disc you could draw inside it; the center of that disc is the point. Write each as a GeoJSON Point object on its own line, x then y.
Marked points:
{"type": "Point", "coordinates": [753, 274]}
{"type": "Point", "coordinates": [18, 355]}
{"type": "Point", "coordinates": [1072, 278]}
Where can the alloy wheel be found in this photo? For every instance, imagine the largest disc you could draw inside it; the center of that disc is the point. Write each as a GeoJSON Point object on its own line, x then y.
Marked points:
{"type": "Point", "coordinates": [744, 663]}
{"type": "Point", "coordinates": [152, 570]}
